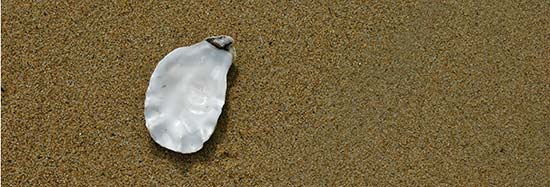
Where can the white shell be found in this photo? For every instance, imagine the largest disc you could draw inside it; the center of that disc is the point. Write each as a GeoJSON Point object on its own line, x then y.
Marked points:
{"type": "Point", "coordinates": [186, 94]}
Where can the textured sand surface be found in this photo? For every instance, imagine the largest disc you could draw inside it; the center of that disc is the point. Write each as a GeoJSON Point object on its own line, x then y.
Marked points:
{"type": "Point", "coordinates": [321, 94]}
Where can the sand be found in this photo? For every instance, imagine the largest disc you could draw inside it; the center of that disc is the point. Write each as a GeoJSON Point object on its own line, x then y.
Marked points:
{"type": "Point", "coordinates": [321, 94]}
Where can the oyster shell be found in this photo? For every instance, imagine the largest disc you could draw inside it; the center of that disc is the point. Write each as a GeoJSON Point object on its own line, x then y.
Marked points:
{"type": "Point", "coordinates": [186, 94]}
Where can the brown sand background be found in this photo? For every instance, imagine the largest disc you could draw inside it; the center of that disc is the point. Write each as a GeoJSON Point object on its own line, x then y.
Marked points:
{"type": "Point", "coordinates": [435, 93]}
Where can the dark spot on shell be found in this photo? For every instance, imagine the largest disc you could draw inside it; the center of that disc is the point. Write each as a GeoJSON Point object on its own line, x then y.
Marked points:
{"type": "Point", "coordinates": [220, 43]}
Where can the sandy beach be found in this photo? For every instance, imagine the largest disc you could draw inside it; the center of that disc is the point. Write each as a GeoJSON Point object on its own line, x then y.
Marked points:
{"type": "Point", "coordinates": [355, 93]}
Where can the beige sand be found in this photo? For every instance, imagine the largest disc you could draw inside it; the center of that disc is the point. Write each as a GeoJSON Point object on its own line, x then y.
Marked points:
{"type": "Point", "coordinates": [321, 94]}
